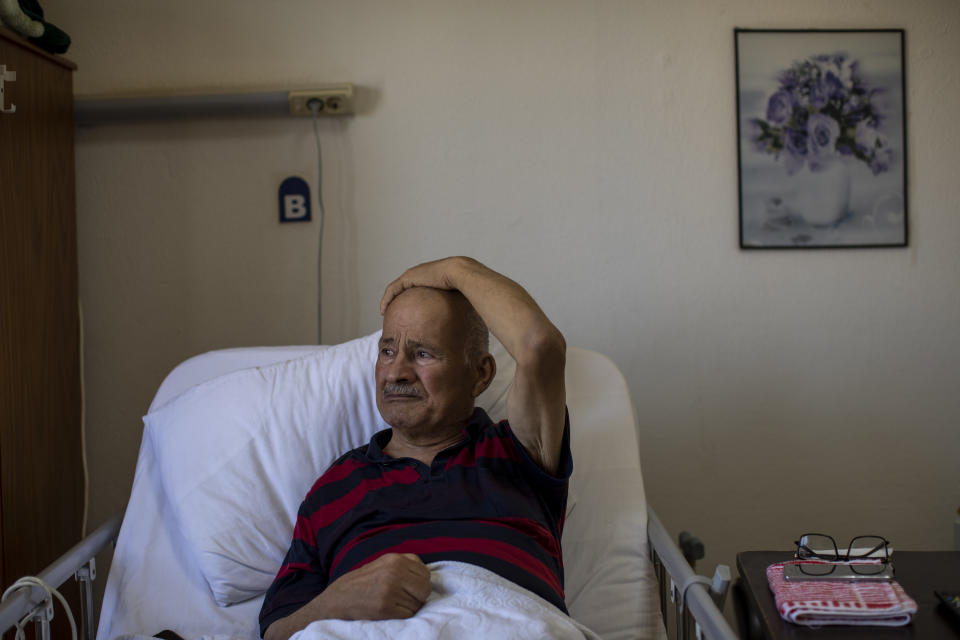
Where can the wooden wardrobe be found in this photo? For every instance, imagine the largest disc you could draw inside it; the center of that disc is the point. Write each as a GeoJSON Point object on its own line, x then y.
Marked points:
{"type": "Point", "coordinates": [41, 473]}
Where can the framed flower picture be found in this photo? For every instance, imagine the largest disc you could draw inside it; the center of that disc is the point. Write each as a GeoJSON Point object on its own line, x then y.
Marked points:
{"type": "Point", "coordinates": [821, 138]}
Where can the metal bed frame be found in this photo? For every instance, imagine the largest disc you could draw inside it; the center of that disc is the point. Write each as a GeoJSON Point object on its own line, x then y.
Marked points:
{"type": "Point", "coordinates": [697, 600]}
{"type": "Point", "coordinates": [34, 604]}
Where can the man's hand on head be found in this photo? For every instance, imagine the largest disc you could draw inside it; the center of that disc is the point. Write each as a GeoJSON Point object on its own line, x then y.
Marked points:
{"type": "Point", "coordinates": [394, 586]}
{"type": "Point", "coordinates": [438, 274]}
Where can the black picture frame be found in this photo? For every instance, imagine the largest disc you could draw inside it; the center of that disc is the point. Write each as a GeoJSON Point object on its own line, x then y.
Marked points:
{"type": "Point", "coordinates": [821, 138]}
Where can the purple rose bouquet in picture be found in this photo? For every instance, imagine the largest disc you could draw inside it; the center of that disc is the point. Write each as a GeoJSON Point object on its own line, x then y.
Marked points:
{"type": "Point", "coordinates": [823, 110]}
{"type": "Point", "coordinates": [821, 138]}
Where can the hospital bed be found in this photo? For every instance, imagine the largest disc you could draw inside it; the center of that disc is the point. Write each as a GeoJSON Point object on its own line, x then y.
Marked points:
{"type": "Point", "coordinates": [234, 437]}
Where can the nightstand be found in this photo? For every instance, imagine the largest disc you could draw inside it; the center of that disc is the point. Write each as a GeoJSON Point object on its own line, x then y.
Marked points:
{"type": "Point", "coordinates": [919, 572]}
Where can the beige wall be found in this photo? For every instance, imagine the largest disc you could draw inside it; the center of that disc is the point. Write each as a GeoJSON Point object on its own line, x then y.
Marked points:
{"type": "Point", "coordinates": [587, 149]}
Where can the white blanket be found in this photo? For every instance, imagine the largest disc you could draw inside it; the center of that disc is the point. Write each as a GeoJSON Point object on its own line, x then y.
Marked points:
{"type": "Point", "coordinates": [467, 602]}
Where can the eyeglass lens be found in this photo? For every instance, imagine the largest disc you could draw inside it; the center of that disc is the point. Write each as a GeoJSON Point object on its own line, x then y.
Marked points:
{"type": "Point", "coordinates": [868, 568]}
{"type": "Point", "coordinates": [866, 547]}
{"type": "Point", "coordinates": [817, 569]}
{"type": "Point", "coordinates": [816, 545]}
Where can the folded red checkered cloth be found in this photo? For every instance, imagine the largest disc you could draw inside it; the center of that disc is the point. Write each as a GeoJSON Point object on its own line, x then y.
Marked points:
{"type": "Point", "coordinates": [815, 603]}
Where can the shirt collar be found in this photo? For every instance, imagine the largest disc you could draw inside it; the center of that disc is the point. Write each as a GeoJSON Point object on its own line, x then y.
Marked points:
{"type": "Point", "coordinates": [478, 421]}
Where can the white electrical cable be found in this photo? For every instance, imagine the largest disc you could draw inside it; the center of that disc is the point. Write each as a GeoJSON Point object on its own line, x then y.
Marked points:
{"type": "Point", "coordinates": [83, 430]}
{"type": "Point", "coordinates": [315, 106]}
{"type": "Point", "coordinates": [33, 581]}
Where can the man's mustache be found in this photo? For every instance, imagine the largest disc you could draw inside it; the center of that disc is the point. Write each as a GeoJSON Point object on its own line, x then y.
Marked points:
{"type": "Point", "coordinates": [400, 389]}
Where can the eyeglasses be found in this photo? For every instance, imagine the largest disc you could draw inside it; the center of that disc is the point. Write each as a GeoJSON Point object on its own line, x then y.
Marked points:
{"type": "Point", "coordinates": [845, 571]}
{"type": "Point", "coordinates": [819, 546]}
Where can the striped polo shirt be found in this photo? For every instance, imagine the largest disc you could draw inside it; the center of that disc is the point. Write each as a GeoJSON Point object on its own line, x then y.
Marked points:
{"type": "Point", "coordinates": [483, 501]}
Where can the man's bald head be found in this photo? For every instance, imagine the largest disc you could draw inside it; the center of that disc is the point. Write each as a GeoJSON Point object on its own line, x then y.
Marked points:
{"type": "Point", "coordinates": [476, 336]}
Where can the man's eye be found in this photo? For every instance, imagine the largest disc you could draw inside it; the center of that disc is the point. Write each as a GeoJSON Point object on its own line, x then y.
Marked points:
{"type": "Point", "coordinates": [387, 353]}
{"type": "Point", "coordinates": [423, 355]}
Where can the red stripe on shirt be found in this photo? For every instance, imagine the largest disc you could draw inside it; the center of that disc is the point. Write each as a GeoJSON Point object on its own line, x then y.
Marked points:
{"type": "Point", "coordinates": [501, 447]}
{"type": "Point", "coordinates": [366, 535]}
{"type": "Point", "coordinates": [331, 511]}
{"type": "Point", "coordinates": [481, 546]}
{"type": "Point", "coordinates": [530, 528]}
{"type": "Point", "coordinates": [337, 472]}
{"type": "Point", "coordinates": [303, 532]}
{"type": "Point", "coordinates": [287, 569]}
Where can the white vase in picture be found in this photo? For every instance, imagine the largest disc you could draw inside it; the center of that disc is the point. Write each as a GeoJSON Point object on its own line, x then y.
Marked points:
{"type": "Point", "coordinates": [822, 196]}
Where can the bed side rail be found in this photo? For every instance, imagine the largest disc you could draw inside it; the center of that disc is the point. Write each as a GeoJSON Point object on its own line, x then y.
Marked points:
{"type": "Point", "coordinates": [32, 602]}
{"type": "Point", "coordinates": [696, 597]}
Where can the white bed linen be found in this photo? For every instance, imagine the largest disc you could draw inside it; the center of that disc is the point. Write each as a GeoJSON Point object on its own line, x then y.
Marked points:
{"type": "Point", "coordinates": [153, 584]}
{"type": "Point", "coordinates": [467, 601]}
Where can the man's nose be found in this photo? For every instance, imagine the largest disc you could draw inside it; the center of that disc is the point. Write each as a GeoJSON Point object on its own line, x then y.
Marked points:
{"type": "Point", "coordinates": [400, 369]}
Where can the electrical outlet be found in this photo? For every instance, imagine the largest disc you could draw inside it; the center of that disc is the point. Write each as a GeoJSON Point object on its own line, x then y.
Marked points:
{"type": "Point", "coordinates": [333, 101]}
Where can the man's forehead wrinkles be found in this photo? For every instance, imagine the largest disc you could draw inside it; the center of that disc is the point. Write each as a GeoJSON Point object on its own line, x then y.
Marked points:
{"type": "Point", "coordinates": [422, 344]}
{"type": "Point", "coordinates": [412, 343]}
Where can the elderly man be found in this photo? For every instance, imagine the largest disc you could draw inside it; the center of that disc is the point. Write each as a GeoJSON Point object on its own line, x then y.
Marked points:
{"type": "Point", "coordinates": [444, 482]}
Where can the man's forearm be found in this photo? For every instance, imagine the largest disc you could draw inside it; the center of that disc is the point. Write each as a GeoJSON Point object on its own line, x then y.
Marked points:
{"type": "Point", "coordinates": [283, 628]}
{"type": "Point", "coordinates": [509, 311]}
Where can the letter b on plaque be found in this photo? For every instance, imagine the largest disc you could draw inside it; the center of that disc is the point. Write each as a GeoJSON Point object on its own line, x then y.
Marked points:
{"type": "Point", "coordinates": [294, 198]}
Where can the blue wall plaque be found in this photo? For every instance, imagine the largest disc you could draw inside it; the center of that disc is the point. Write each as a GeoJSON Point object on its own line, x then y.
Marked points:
{"type": "Point", "coordinates": [294, 199]}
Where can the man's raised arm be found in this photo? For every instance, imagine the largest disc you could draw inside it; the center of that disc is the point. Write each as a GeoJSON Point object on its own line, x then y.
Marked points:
{"type": "Point", "coordinates": [536, 403]}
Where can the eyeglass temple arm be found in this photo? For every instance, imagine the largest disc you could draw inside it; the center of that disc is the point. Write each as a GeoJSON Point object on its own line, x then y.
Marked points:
{"type": "Point", "coordinates": [882, 545]}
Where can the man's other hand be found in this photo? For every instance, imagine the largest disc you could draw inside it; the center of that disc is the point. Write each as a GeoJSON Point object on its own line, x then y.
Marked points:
{"type": "Point", "coordinates": [393, 586]}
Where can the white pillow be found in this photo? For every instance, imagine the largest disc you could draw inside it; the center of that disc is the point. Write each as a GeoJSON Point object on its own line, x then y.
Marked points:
{"type": "Point", "coordinates": [237, 454]}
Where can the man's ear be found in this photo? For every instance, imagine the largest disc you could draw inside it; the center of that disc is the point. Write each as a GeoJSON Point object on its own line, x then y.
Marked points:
{"type": "Point", "coordinates": [486, 369]}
